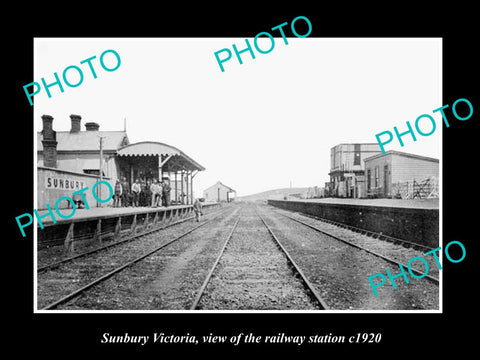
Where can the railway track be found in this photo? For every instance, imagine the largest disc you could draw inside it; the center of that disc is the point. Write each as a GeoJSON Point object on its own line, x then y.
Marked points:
{"type": "Point", "coordinates": [61, 262]}
{"type": "Point", "coordinates": [138, 255]}
{"type": "Point", "coordinates": [252, 258]}
{"type": "Point", "coordinates": [373, 234]}
{"type": "Point", "coordinates": [339, 268]}
{"type": "Point", "coordinates": [231, 283]}
{"type": "Point", "coordinates": [384, 257]}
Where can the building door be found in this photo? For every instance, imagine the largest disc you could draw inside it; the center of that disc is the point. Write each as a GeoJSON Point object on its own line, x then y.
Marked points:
{"type": "Point", "coordinates": [386, 190]}
{"type": "Point", "coordinates": [369, 180]}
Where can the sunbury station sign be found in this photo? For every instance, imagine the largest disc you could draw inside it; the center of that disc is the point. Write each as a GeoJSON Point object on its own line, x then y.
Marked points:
{"type": "Point", "coordinates": [81, 193]}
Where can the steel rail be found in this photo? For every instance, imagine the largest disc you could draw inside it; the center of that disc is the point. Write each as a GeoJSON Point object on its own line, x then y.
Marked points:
{"type": "Point", "coordinates": [201, 291]}
{"type": "Point", "coordinates": [116, 243]}
{"type": "Point", "coordinates": [305, 281]}
{"type": "Point", "coordinates": [373, 234]}
{"type": "Point", "coordinates": [121, 268]}
{"type": "Point", "coordinates": [386, 258]}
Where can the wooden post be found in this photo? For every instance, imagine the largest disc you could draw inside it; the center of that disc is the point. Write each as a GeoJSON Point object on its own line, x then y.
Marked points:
{"type": "Point", "coordinates": [68, 244]}
{"type": "Point", "coordinates": [155, 219]}
{"type": "Point", "coordinates": [191, 187]}
{"type": "Point", "coordinates": [118, 228]}
{"type": "Point", "coordinates": [181, 187]}
{"type": "Point", "coordinates": [100, 173]}
{"type": "Point", "coordinates": [191, 183]}
{"type": "Point", "coordinates": [131, 178]}
{"type": "Point", "coordinates": [98, 232]}
{"type": "Point", "coordinates": [145, 222]}
{"type": "Point", "coordinates": [134, 224]}
{"type": "Point", "coordinates": [186, 188]}
{"type": "Point", "coordinates": [176, 192]}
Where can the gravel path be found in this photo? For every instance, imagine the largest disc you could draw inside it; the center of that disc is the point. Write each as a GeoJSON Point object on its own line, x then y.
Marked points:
{"type": "Point", "coordinates": [340, 271]}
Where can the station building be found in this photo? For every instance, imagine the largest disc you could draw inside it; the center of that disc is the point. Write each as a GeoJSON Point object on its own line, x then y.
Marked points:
{"type": "Point", "coordinates": [79, 151]}
{"type": "Point", "coordinates": [219, 192]}
{"type": "Point", "coordinates": [347, 169]}
{"type": "Point", "coordinates": [71, 160]}
{"type": "Point", "coordinates": [393, 172]}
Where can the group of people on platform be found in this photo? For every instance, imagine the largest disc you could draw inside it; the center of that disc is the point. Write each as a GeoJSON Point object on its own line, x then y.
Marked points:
{"type": "Point", "coordinates": [150, 193]}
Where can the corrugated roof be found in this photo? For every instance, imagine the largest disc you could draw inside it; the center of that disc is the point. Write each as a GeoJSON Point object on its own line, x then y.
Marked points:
{"type": "Point", "coordinates": [401, 153]}
{"type": "Point", "coordinates": [86, 140]}
{"type": "Point", "coordinates": [150, 148]}
{"type": "Point", "coordinates": [222, 184]}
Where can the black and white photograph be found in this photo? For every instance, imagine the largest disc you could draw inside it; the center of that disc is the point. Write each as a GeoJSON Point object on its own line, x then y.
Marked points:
{"type": "Point", "coordinates": [301, 211]}
{"type": "Point", "coordinates": [282, 188]}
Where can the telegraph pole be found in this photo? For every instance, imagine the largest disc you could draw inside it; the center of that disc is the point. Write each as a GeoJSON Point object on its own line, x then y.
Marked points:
{"type": "Point", "coordinates": [100, 170]}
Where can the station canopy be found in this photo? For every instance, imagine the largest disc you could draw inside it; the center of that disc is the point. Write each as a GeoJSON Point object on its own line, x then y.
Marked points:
{"type": "Point", "coordinates": [170, 158]}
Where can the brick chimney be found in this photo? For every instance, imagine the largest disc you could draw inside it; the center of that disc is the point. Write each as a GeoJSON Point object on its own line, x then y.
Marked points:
{"type": "Point", "coordinates": [49, 142]}
{"type": "Point", "coordinates": [92, 126]}
{"type": "Point", "coordinates": [76, 119]}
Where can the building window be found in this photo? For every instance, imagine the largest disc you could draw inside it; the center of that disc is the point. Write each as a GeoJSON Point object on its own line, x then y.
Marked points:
{"type": "Point", "coordinates": [376, 176]}
{"type": "Point", "coordinates": [385, 178]}
{"type": "Point", "coordinates": [356, 156]}
{"type": "Point", "coordinates": [93, 172]}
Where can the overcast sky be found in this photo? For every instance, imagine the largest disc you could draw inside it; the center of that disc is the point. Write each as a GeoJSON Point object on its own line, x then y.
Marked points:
{"type": "Point", "coordinates": [258, 126]}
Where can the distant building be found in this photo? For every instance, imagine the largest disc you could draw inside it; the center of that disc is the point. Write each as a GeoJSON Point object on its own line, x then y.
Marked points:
{"type": "Point", "coordinates": [315, 192]}
{"type": "Point", "coordinates": [384, 171]}
{"type": "Point", "coordinates": [218, 193]}
{"type": "Point", "coordinates": [347, 168]}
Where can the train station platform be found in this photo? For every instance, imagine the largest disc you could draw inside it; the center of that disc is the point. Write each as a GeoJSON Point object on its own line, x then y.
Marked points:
{"type": "Point", "coordinates": [414, 220]}
{"type": "Point", "coordinates": [99, 223]}
{"type": "Point", "coordinates": [402, 203]}
{"type": "Point", "coordinates": [104, 212]}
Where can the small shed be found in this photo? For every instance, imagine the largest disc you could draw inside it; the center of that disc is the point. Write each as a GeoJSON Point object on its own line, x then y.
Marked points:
{"type": "Point", "coordinates": [383, 172]}
{"type": "Point", "coordinates": [219, 193]}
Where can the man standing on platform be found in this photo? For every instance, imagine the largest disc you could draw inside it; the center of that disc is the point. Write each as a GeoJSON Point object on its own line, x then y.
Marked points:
{"type": "Point", "coordinates": [144, 199]}
{"type": "Point", "coordinates": [136, 188]}
{"type": "Point", "coordinates": [118, 194]}
{"type": "Point", "coordinates": [125, 192]}
{"type": "Point", "coordinates": [156, 191]}
{"type": "Point", "coordinates": [197, 207]}
{"type": "Point", "coordinates": [166, 191]}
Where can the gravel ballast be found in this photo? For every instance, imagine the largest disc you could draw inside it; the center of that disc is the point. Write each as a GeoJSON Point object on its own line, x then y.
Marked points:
{"type": "Point", "coordinates": [340, 272]}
